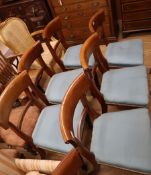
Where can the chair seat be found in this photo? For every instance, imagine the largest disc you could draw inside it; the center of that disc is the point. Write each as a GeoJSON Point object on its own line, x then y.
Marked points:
{"type": "Point", "coordinates": [47, 132]}
{"type": "Point", "coordinates": [123, 139]}
{"type": "Point", "coordinates": [126, 86]}
{"type": "Point", "coordinates": [30, 119]}
{"type": "Point", "coordinates": [125, 53]}
{"type": "Point", "coordinates": [71, 57]}
{"type": "Point", "coordinates": [59, 84]}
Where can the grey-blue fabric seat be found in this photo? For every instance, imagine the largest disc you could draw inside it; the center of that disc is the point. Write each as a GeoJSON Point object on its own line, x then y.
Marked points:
{"type": "Point", "coordinates": [71, 58]}
{"type": "Point", "coordinates": [125, 53]}
{"type": "Point", "coordinates": [59, 84]}
{"type": "Point", "coordinates": [47, 134]}
{"type": "Point", "coordinates": [123, 139]}
{"type": "Point", "coordinates": [126, 86]}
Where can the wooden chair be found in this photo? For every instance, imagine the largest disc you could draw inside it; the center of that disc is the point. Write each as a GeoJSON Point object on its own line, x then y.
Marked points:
{"type": "Point", "coordinates": [121, 139]}
{"type": "Point", "coordinates": [33, 120]}
{"type": "Point", "coordinates": [17, 124]}
{"type": "Point", "coordinates": [58, 83]}
{"type": "Point", "coordinates": [16, 36]}
{"type": "Point", "coordinates": [126, 86]}
{"type": "Point", "coordinates": [7, 72]}
{"type": "Point", "coordinates": [121, 53]}
{"type": "Point", "coordinates": [71, 58]}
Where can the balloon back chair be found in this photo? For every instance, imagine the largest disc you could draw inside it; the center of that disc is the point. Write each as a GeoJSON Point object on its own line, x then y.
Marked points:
{"type": "Point", "coordinates": [121, 139]}
{"type": "Point", "coordinates": [118, 54]}
{"type": "Point", "coordinates": [15, 34]}
{"type": "Point", "coordinates": [126, 86]}
{"type": "Point", "coordinates": [18, 123]}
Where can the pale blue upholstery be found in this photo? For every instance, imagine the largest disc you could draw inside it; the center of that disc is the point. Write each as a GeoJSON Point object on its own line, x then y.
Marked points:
{"type": "Point", "coordinates": [125, 53]}
{"type": "Point", "coordinates": [71, 58]}
{"type": "Point", "coordinates": [59, 84]}
{"type": "Point", "coordinates": [126, 86]}
{"type": "Point", "coordinates": [47, 132]}
{"type": "Point", "coordinates": [123, 139]}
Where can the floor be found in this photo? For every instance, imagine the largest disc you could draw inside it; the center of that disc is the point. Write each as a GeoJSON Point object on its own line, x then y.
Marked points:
{"type": "Point", "coordinates": [146, 37]}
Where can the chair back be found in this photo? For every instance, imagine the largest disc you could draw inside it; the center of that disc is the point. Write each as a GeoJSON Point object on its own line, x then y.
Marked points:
{"type": "Point", "coordinates": [54, 29]}
{"type": "Point", "coordinates": [91, 46]}
{"type": "Point", "coordinates": [31, 55]}
{"type": "Point", "coordinates": [96, 25]}
{"type": "Point", "coordinates": [16, 35]}
{"type": "Point", "coordinates": [21, 83]}
{"type": "Point", "coordinates": [7, 72]}
{"type": "Point", "coordinates": [77, 91]}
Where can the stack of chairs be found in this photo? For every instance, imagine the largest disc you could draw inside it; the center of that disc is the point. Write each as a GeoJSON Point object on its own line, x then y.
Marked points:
{"type": "Point", "coordinates": [120, 139]}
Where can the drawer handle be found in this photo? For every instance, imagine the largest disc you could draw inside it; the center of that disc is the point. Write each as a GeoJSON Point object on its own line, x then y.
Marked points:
{"type": "Point", "coordinates": [71, 36]}
{"type": "Point", "coordinates": [60, 2]}
{"type": "Point", "coordinates": [78, 6]}
{"type": "Point", "coordinates": [66, 17]}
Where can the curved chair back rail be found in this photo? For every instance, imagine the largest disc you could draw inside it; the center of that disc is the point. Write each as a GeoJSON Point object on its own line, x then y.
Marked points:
{"type": "Point", "coordinates": [31, 55]}
{"type": "Point", "coordinates": [96, 24]}
{"type": "Point", "coordinates": [54, 29]}
{"type": "Point", "coordinates": [19, 84]}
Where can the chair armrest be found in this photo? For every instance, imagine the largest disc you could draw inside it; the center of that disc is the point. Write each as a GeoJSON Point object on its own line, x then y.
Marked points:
{"type": "Point", "coordinates": [38, 32]}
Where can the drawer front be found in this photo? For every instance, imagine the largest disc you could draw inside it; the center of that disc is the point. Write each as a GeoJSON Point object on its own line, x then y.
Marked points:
{"type": "Point", "coordinates": [135, 25]}
{"type": "Point", "coordinates": [58, 3]}
{"type": "Point", "coordinates": [92, 5]}
{"type": "Point", "coordinates": [76, 35]}
{"type": "Point", "coordinates": [81, 14]}
{"type": "Point", "coordinates": [137, 15]}
{"type": "Point", "coordinates": [139, 5]}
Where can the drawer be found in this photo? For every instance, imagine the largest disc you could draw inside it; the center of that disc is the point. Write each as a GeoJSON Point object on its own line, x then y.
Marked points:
{"type": "Point", "coordinates": [135, 25]}
{"type": "Point", "coordinates": [137, 15]}
{"type": "Point", "coordinates": [136, 6]}
{"type": "Point", "coordinates": [92, 5]}
{"type": "Point", "coordinates": [81, 34]}
{"type": "Point", "coordinates": [81, 14]}
{"type": "Point", "coordinates": [58, 3]}
{"type": "Point", "coordinates": [75, 24]}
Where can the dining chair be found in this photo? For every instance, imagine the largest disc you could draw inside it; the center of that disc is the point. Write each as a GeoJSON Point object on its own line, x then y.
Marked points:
{"type": "Point", "coordinates": [15, 35]}
{"type": "Point", "coordinates": [17, 124]}
{"type": "Point", "coordinates": [58, 84]}
{"type": "Point", "coordinates": [127, 86]}
{"type": "Point", "coordinates": [118, 54]}
{"type": "Point", "coordinates": [120, 139]}
{"type": "Point", "coordinates": [33, 125]}
{"type": "Point", "coordinates": [70, 60]}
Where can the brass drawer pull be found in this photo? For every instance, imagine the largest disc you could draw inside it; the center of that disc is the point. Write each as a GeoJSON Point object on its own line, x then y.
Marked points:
{"type": "Point", "coordinates": [66, 17]}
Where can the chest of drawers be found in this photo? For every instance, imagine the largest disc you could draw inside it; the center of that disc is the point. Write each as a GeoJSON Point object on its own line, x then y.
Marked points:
{"type": "Point", "coordinates": [136, 15]}
{"type": "Point", "coordinates": [34, 13]}
{"type": "Point", "coordinates": [75, 15]}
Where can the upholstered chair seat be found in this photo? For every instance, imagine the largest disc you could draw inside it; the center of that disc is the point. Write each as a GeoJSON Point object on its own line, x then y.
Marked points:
{"type": "Point", "coordinates": [47, 132]}
{"type": "Point", "coordinates": [126, 86]}
{"type": "Point", "coordinates": [71, 57]}
{"type": "Point", "coordinates": [123, 139]}
{"type": "Point", "coordinates": [9, 136]}
{"type": "Point", "coordinates": [59, 84]}
{"type": "Point", "coordinates": [125, 53]}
